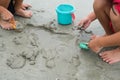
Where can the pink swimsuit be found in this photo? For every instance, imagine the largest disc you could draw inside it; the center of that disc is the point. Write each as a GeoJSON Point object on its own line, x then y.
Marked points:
{"type": "Point", "coordinates": [117, 5]}
{"type": "Point", "coordinates": [116, 1]}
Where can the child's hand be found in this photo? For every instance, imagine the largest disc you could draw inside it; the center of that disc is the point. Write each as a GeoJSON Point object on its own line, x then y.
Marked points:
{"type": "Point", "coordinates": [95, 45]}
{"type": "Point", "coordinates": [85, 22]}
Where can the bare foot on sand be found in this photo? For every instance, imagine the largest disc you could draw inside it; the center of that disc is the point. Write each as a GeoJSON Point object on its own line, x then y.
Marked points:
{"type": "Point", "coordinates": [5, 14]}
{"type": "Point", "coordinates": [6, 25]}
{"type": "Point", "coordinates": [111, 56]}
{"type": "Point", "coordinates": [25, 6]}
{"type": "Point", "coordinates": [6, 19]}
{"type": "Point", "coordinates": [23, 12]}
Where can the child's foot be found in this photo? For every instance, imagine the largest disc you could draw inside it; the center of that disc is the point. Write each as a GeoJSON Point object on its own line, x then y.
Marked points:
{"type": "Point", "coordinates": [23, 13]}
{"type": "Point", "coordinates": [6, 19]}
{"type": "Point", "coordinates": [25, 6]}
{"type": "Point", "coordinates": [112, 56]}
{"type": "Point", "coordinates": [6, 25]}
{"type": "Point", "coordinates": [5, 14]}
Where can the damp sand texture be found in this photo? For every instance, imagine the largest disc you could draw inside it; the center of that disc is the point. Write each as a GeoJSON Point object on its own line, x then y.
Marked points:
{"type": "Point", "coordinates": [45, 50]}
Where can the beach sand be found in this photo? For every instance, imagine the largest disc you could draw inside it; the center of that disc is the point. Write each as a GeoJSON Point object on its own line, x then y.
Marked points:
{"type": "Point", "coordinates": [44, 50]}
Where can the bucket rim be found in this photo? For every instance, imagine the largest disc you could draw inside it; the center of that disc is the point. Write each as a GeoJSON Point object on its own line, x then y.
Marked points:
{"type": "Point", "coordinates": [59, 11]}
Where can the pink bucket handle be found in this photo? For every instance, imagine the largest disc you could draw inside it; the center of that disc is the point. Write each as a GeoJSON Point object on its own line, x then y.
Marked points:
{"type": "Point", "coordinates": [73, 16]}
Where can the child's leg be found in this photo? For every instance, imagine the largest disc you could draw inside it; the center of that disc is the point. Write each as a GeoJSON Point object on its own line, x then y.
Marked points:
{"type": "Point", "coordinates": [113, 55]}
{"type": "Point", "coordinates": [4, 3]}
{"type": "Point", "coordinates": [25, 6]}
{"type": "Point", "coordinates": [102, 10]}
{"type": "Point", "coordinates": [20, 11]}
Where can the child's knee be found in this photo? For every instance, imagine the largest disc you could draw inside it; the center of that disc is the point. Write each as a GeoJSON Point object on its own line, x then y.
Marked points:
{"type": "Point", "coordinates": [99, 5]}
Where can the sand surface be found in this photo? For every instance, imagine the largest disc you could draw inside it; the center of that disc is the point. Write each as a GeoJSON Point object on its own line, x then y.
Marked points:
{"type": "Point", "coordinates": [44, 50]}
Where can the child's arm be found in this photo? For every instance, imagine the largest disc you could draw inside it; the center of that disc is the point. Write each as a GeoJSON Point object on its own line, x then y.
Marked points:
{"type": "Point", "coordinates": [85, 22]}
{"type": "Point", "coordinates": [104, 41]}
{"type": "Point", "coordinates": [92, 16]}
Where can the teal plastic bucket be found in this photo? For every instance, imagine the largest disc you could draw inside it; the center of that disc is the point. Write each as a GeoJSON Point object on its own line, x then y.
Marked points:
{"type": "Point", "coordinates": [65, 14]}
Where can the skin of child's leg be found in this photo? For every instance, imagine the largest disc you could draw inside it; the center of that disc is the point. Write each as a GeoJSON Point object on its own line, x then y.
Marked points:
{"type": "Point", "coordinates": [102, 10]}
{"type": "Point", "coordinates": [99, 9]}
{"type": "Point", "coordinates": [113, 56]}
{"type": "Point", "coordinates": [20, 11]}
{"type": "Point", "coordinates": [5, 17]}
{"type": "Point", "coordinates": [25, 6]}
{"type": "Point", "coordinates": [4, 3]}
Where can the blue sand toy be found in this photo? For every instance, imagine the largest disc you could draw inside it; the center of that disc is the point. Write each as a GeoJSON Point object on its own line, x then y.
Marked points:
{"type": "Point", "coordinates": [65, 13]}
{"type": "Point", "coordinates": [84, 46]}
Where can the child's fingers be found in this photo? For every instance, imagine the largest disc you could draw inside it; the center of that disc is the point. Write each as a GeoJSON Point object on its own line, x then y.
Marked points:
{"type": "Point", "coordinates": [81, 23]}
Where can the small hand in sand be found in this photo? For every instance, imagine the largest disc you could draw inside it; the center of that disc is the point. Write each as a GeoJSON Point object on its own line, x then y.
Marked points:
{"type": "Point", "coordinates": [85, 22]}
{"type": "Point", "coordinates": [111, 56]}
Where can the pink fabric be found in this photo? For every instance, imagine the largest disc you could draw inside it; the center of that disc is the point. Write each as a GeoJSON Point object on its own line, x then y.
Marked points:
{"type": "Point", "coordinates": [116, 4]}
{"type": "Point", "coordinates": [116, 0]}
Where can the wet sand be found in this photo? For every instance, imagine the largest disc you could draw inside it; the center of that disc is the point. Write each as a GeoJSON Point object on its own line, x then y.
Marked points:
{"type": "Point", "coordinates": [45, 50]}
